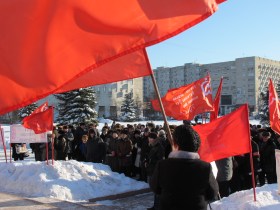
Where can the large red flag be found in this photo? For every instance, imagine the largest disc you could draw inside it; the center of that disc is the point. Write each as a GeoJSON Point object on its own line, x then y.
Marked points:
{"type": "Point", "coordinates": [216, 103]}
{"type": "Point", "coordinates": [40, 122]}
{"type": "Point", "coordinates": [47, 44]}
{"type": "Point", "coordinates": [185, 102]}
{"type": "Point", "coordinates": [226, 136]}
{"type": "Point", "coordinates": [274, 108]}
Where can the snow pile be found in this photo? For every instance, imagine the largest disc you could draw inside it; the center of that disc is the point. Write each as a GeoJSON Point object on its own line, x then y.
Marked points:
{"type": "Point", "coordinates": [267, 199]}
{"type": "Point", "coordinates": [65, 180]}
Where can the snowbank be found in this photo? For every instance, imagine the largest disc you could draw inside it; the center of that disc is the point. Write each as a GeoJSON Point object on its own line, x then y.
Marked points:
{"type": "Point", "coordinates": [267, 199]}
{"type": "Point", "coordinates": [65, 180]}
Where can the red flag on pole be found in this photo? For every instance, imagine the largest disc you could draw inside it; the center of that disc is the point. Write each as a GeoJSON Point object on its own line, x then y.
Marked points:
{"type": "Point", "coordinates": [226, 136]}
{"type": "Point", "coordinates": [274, 108]}
{"type": "Point", "coordinates": [41, 108]}
{"type": "Point", "coordinates": [216, 104]}
{"type": "Point", "coordinates": [185, 102]}
{"type": "Point", "coordinates": [40, 122]}
{"type": "Point", "coordinates": [57, 42]}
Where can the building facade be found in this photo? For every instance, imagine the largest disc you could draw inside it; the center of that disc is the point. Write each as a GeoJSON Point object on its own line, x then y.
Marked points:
{"type": "Point", "coordinates": [244, 80]}
{"type": "Point", "coordinates": [110, 96]}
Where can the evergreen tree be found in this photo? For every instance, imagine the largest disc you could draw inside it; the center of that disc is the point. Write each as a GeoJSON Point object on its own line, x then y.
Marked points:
{"type": "Point", "coordinates": [26, 111]}
{"type": "Point", "coordinates": [77, 106]}
{"type": "Point", "coordinates": [264, 113]}
{"type": "Point", "coordinates": [128, 108]}
{"type": "Point", "coordinates": [138, 109]}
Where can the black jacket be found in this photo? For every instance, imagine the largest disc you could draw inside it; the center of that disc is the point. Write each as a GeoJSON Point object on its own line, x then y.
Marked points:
{"type": "Point", "coordinates": [184, 184]}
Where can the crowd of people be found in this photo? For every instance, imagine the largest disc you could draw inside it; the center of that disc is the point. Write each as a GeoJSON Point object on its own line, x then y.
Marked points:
{"type": "Point", "coordinates": [137, 149]}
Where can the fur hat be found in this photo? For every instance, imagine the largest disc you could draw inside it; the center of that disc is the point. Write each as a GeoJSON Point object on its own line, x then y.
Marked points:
{"type": "Point", "coordinates": [186, 138]}
{"type": "Point", "coordinates": [124, 131]}
{"type": "Point", "coordinates": [152, 135]}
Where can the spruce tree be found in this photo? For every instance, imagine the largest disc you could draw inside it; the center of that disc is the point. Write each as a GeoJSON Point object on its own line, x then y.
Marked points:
{"type": "Point", "coordinates": [77, 106]}
{"type": "Point", "coordinates": [263, 112]}
{"type": "Point", "coordinates": [26, 111]}
{"type": "Point", "coordinates": [128, 108]}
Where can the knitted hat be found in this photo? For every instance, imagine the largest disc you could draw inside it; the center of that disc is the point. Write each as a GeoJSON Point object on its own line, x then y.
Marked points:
{"type": "Point", "coordinates": [186, 138]}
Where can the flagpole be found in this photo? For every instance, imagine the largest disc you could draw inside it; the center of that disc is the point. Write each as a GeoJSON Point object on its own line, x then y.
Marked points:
{"type": "Point", "coordinates": [52, 142]}
{"type": "Point", "coordinates": [47, 151]}
{"type": "Point", "coordinates": [159, 98]}
{"type": "Point", "coordinates": [10, 153]}
{"type": "Point", "coordinates": [4, 145]}
{"type": "Point", "coordinates": [251, 160]}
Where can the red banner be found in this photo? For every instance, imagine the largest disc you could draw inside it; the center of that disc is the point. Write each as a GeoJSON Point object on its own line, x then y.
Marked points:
{"type": "Point", "coordinates": [216, 103]}
{"type": "Point", "coordinates": [226, 136]}
{"type": "Point", "coordinates": [185, 102]}
{"type": "Point", "coordinates": [48, 44]}
{"type": "Point", "coordinates": [40, 122]}
{"type": "Point", "coordinates": [274, 108]}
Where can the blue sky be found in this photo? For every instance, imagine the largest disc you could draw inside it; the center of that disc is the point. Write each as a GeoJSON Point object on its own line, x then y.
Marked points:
{"type": "Point", "coordinates": [240, 28]}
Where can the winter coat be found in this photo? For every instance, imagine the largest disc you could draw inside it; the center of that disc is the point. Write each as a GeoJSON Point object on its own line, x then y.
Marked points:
{"type": "Point", "coordinates": [96, 150]}
{"type": "Point", "coordinates": [267, 156]}
{"type": "Point", "coordinates": [184, 182]}
{"type": "Point", "coordinates": [60, 145]}
{"type": "Point", "coordinates": [124, 152]}
{"type": "Point", "coordinates": [145, 148]}
{"type": "Point", "coordinates": [225, 169]}
{"type": "Point", "coordinates": [155, 155]}
{"type": "Point", "coordinates": [111, 160]}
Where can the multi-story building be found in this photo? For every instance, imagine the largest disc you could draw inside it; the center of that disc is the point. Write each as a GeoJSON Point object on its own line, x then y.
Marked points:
{"type": "Point", "coordinates": [110, 96]}
{"type": "Point", "coordinates": [244, 80]}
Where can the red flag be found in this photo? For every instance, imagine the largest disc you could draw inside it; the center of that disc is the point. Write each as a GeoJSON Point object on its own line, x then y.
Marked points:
{"type": "Point", "coordinates": [226, 136]}
{"type": "Point", "coordinates": [40, 122]}
{"type": "Point", "coordinates": [56, 42]}
{"type": "Point", "coordinates": [185, 102]}
{"type": "Point", "coordinates": [274, 108]}
{"type": "Point", "coordinates": [41, 108]}
{"type": "Point", "coordinates": [216, 104]}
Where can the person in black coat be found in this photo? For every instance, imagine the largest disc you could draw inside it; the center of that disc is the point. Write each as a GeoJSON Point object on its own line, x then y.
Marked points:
{"type": "Point", "coordinates": [268, 162]}
{"type": "Point", "coordinates": [183, 181]}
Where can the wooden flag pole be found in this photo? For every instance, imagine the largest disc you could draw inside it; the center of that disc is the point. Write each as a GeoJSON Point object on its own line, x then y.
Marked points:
{"type": "Point", "coordinates": [10, 152]}
{"type": "Point", "coordinates": [251, 161]}
{"type": "Point", "coordinates": [159, 98]}
{"type": "Point", "coordinates": [4, 145]}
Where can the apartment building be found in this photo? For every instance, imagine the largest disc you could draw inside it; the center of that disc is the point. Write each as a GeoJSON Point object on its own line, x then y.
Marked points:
{"type": "Point", "coordinates": [244, 80]}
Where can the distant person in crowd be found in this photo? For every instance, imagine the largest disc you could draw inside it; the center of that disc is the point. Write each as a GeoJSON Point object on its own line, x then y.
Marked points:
{"type": "Point", "coordinates": [60, 145]}
{"type": "Point", "coordinates": [94, 127]}
{"type": "Point", "coordinates": [145, 149]}
{"type": "Point", "coordinates": [82, 152]}
{"type": "Point", "coordinates": [155, 155]}
{"type": "Point", "coordinates": [96, 148]}
{"type": "Point", "coordinates": [104, 133]}
{"type": "Point", "coordinates": [267, 158]}
{"type": "Point", "coordinates": [112, 152]}
{"type": "Point", "coordinates": [124, 152]}
{"type": "Point", "coordinates": [18, 151]}
{"type": "Point", "coordinates": [225, 172]}
{"type": "Point", "coordinates": [136, 153]}
{"type": "Point", "coordinates": [183, 181]}
{"type": "Point", "coordinates": [69, 136]}
{"type": "Point", "coordinates": [80, 131]}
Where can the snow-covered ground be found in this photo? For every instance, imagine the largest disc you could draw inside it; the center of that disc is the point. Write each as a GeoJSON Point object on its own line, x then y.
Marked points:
{"type": "Point", "coordinates": [267, 199]}
{"type": "Point", "coordinates": [65, 180]}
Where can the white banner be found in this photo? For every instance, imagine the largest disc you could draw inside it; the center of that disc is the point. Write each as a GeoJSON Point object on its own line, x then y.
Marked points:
{"type": "Point", "coordinates": [277, 156]}
{"type": "Point", "coordinates": [20, 134]}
